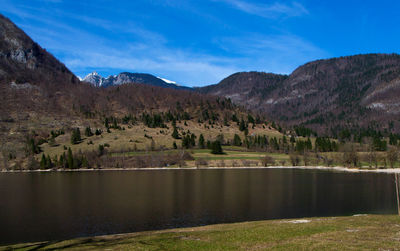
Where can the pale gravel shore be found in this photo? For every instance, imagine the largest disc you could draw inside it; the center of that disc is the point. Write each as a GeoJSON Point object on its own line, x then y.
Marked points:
{"type": "Point", "coordinates": [324, 168]}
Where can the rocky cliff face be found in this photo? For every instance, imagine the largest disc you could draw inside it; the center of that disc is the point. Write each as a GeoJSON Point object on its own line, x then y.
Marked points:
{"type": "Point", "coordinates": [22, 60]}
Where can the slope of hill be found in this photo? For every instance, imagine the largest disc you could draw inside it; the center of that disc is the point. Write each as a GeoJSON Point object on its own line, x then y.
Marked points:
{"type": "Point", "coordinates": [127, 77]}
{"type": "Point", "coordinates": [40, 95]}
{"type": "Point", "coordinates": [346, 91]}
{"type": "Point", "coordinates": [22, 60]}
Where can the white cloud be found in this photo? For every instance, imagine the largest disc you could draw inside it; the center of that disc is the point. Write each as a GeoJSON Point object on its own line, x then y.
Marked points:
{"type": "Point", "coordinates": [272, 11]}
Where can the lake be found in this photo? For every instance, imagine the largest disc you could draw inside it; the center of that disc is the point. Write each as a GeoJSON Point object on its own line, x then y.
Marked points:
{"type": "Point", "coordinates": [60, 205]}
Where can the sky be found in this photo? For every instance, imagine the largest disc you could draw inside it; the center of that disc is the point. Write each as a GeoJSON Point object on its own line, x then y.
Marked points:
{"type": "Point", "coordinates": [200, 42]}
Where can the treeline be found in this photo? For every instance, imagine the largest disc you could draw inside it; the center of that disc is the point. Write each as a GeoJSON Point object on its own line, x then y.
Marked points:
{"type": "Point", "coordinates": [98, 159]}
{"type": "Point", "coordinates": [66, 160]}
{"type": "Point", "coordinates": [257, 142]}
{"type": "Point", "coordinates": [371, 136]}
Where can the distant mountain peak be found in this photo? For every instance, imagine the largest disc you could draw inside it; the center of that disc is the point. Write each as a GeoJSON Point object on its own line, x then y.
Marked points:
{"type": "Point", "coordinates": [94, 74]}
{"type": "Point", "coordinates": [128, 77]}
{"type": "Point", "coordinates": [94, 78]}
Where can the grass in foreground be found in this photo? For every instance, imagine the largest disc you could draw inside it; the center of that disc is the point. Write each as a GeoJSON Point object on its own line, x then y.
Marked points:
{"type": "Point", "coordinates": [370, 232]}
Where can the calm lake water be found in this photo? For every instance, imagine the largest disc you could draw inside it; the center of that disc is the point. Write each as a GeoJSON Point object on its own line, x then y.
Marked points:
{"type": "Point", "coordinates": [59, 205]}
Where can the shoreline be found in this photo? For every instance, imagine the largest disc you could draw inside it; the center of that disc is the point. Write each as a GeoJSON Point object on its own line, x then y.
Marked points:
{"type": "Point", "coordinates": [323, 168]}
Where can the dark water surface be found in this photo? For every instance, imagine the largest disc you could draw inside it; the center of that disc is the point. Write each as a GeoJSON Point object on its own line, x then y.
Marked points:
{"type": "Point", "coordinates": [60, 205]}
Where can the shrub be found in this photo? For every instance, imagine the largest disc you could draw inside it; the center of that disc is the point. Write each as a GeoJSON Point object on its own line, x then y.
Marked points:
{"type": "Point", "coordinates": [88, 132]}
{"type": "Point", "coordinates": [294, 159]}
{"type": "Point", "coordinates": [267, 160]}
{"type": "Point", "coordinates": [201, 162]}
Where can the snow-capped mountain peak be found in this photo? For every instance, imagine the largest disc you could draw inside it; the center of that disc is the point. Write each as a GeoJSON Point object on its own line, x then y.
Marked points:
{"type": "Point", "coordinates": [94, 78]}
{"type": "Point", "coordinates": [127, 77]}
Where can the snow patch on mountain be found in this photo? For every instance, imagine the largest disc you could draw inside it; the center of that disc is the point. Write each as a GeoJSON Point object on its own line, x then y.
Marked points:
{"type": "Point", "coordinates": [94, 78]}
{"type": "Point", "coordinates": [168, 81]}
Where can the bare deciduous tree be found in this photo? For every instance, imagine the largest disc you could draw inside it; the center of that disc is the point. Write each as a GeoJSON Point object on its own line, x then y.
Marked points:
{"type": "Point", "coordinates": [294, 159]}
{"type": "Point", "coordinates": [392, 156]}
{"type": "Point", "coordinates": [267, 161]}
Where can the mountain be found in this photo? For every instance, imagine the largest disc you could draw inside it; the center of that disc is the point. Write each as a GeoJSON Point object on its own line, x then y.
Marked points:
{"type": "Point", "coordinates": [352, 91]}
{"type": "Point", "coordinates": [94, 78]}
{"type": "Point", "coordinates": [24, 61]}
{"type": "Point", "coordinates": [40, 95]}
{"type": "Point", "coordinates": [127, 77]}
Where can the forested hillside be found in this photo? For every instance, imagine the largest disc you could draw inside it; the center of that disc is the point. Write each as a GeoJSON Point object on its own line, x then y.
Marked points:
{"type": "Point", "coordinates": [326, 95]}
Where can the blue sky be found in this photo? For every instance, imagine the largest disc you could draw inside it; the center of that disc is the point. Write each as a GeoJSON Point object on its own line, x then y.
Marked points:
{"type": "Point", "coordinates": [200, 42]}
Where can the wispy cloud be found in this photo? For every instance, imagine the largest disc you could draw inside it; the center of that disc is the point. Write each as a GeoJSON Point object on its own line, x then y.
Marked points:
{"type": "Point", "coordinates": [199, 71]}
{"type": "Point", "coordinates": [272, 11]}
{"type": "Point", "coordinates": [134, 48]}
{"type": "Point", "coordinates": [273, 53]}
{"type": "Point", "coordinates": [114, 45]}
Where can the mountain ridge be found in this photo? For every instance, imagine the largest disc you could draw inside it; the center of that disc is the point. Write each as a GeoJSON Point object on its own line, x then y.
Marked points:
{"type": "Point", "coordinates": [331, 93]}
{"type": "Point", "coordinates": [23, 60]}
{"type": "Point", "coordinates": [128, 77]}
{"type": "Point", "coordinates": [345, 91]}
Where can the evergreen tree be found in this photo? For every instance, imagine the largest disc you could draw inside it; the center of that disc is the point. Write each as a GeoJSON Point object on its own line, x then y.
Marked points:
{"type": "Point", "coordinates": [186, 141]}
{"type": "Point", "coordinates": [61, 161]}
{"type": "Point", "coordinates": [193, 140]}
{"type": "Point", "coordinates": [235, 118]}
{"type": "Point", "coordinates": [33, 147]}
{"type": "Point", "coordinates": [236, 140]}
{"type": "Point", "coordinates": [76, 136]}
{"type": "Point", "coordinates": [175, 133]}
{"type": "Point", "coordinates": [242, 125]}
{"type": "Point", "coordinates": [393, 139]}
{"type": "Point", "coordinates": [49, 163]}
{"type": "Point", "coordinates": [189, 141]}
{"type": "Point", "coordinates": [379, 145]}
{"type": "Point", "coordinates": [43, 162]}
{"type": "Point", "coordinates": [106, 123]}
{"type": "Point", "coordinates": [65, 163]}
{"type": "Point", "coordinates": [70, 159]}
{"type": "Point", "coordinates": [308, 144]}
{"type": "Point", "coordinates": [88, 132]}
{"type": "Point", "coordinates": [250, 119]}
{"type": "Point", "coordinates": [201, 141]}
{"type": "Point", "coordinates": [216, 147]}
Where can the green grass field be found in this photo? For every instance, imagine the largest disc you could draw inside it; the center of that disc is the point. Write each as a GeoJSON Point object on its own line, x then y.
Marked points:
{"type": "Point", "coordinates": [365, 232]}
